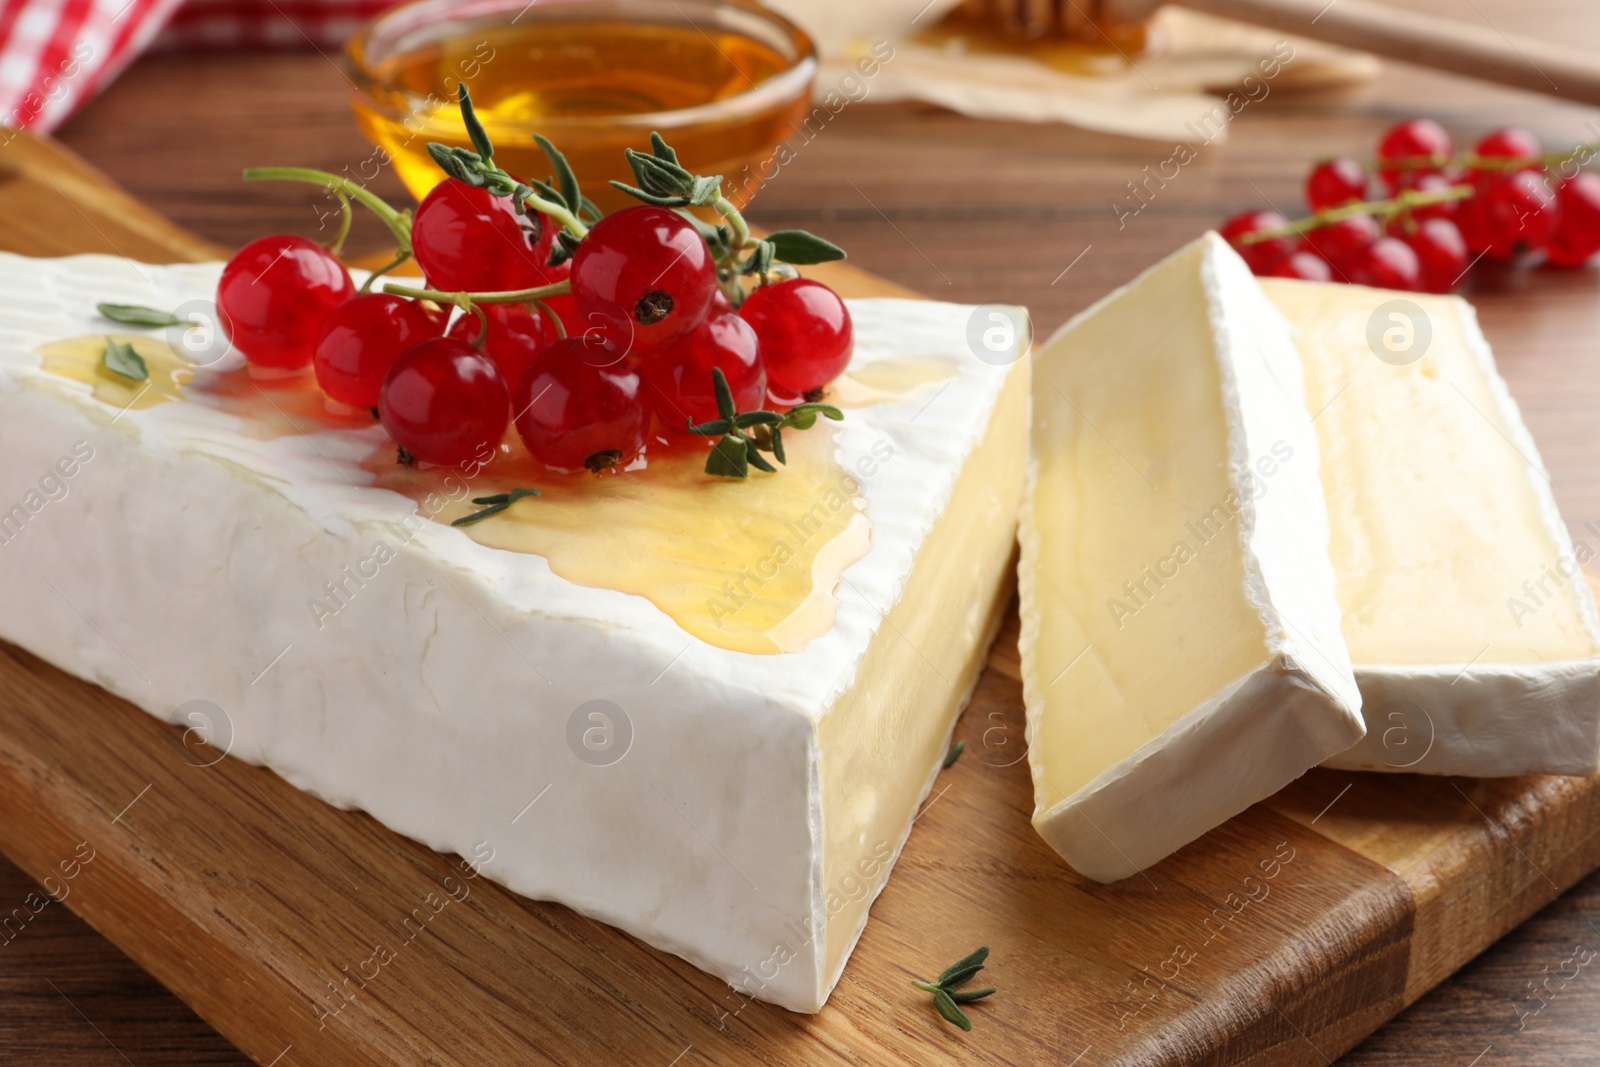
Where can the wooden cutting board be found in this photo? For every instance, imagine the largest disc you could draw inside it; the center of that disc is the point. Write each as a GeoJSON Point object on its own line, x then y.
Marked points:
{"type": "Point", "coordinates": [1282, 937]}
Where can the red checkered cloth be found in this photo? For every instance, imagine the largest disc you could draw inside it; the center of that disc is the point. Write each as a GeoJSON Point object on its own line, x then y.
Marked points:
{"type": "Point", "coordinates": [56, 54]}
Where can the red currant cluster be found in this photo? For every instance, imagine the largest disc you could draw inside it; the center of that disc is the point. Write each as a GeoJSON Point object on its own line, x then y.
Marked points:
{"type": "Point", "coordinates": [594, 335]}
{"type": "Point", "coordinates": [1505, 200]}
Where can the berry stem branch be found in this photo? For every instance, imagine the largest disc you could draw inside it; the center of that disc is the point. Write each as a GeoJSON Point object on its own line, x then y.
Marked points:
{"type": "Point", "coordinates": [461, 300]}
{"type": "Point", "coordinates": [1409, 198]}
{"type": "Point", "coordinates": [399, 222]}
{"type": "Point", "coordinates": [1473, 161]}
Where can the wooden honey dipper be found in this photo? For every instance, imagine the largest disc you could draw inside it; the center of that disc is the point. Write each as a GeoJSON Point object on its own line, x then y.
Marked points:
{"type": "Point", "coordinates": [1423, 40]}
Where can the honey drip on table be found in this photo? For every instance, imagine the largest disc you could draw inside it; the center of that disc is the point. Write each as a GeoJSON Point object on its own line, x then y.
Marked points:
{"type": "Point", "coordinates": [750, 566]}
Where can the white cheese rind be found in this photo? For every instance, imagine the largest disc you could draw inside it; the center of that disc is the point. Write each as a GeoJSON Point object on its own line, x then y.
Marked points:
{"type": "Point", "coordinates": [178, 564]}
{"type": "Point", "coordinates": [1477, 714]}
{"type": "Point", "coordinates": [1298, 703]}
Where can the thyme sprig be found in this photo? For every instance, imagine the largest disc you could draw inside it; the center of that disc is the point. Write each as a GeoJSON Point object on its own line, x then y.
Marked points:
{"type": "Point", "coordinates": [745, 436]}
{"type": "Point", "coordinates": [494, 505]}
{"type": "Point", "coordinates": [559, 197]}
{"type": "Point", "coordinates": [947, 991]}
{"type": "Point", "coordinates": [665, 182]}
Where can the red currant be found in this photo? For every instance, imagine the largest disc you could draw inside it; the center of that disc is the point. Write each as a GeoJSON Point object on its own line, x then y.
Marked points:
{"type": "Point", "coordinates": [645, 266]}
{"type": "Point", "coordinates": [1334, 182]}
{"type": "Point", "coordinates": [678, 380]}
{"type": "Point", "coordinates": [1577, 234]}
{"type": "Point", "coordinates": [361, 338]}
{"type": "Point", "coordinates": [516, 335]}
{"type": "Point", "coordinates": [805, 334]}
{"type": "Point", "coordinates": [1442, 209]}
{"type": "Point", "coordinates": [1509, 216]}
{"type": "Point", "coordinates": [1261, 256]}
{"type": "Point", "coordinates": [1339, 242]}
{"type": "Point", "coordinates": [1510, 142]}
{"type": "Point", "coordinates": [1307, 266]}
{"type": "Point", "coordinates": [445, 402]}
{"type": "Point", "coordinates": [1409, 140]}
{"type": "Point", "coordinates": [581, 405]}
{"type": "Point", "coordinates": [1441, 254]}
{"type": "Point", "coordinates": [273, 296]}
{"type": "Point", "coordinates": [1387, 263]}
{"type": "Point", "coordinates": [468, 239]}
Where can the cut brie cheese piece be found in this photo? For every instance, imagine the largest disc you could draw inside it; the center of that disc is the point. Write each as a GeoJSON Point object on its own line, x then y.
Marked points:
{"type": "Point", "coordinates": [1472, 629]}
{"type": "Point", "coordinates": [574, 741]}
{"type": "Point", "coordinates": [1181, 655]}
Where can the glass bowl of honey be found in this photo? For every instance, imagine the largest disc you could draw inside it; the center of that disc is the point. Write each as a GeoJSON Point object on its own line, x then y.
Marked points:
{"type": "Point", "coordinates": [724, 81]}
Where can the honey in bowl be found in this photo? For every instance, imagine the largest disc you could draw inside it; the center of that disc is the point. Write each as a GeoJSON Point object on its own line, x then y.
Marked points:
{"type": "Point", "coordinates": [723, 82]}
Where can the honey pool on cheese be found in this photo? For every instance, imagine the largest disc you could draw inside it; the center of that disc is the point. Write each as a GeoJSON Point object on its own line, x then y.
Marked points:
{"type": "Point", "coordinates": [762, 750]}
{"type": "Point", "coordinates": [1472, 630]}
{"type": "Point", "coordinates": [1181, 654]}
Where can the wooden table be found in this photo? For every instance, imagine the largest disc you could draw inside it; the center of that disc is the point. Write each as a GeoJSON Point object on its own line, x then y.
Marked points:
{"type": "Point", "coordinates": [899, 186]}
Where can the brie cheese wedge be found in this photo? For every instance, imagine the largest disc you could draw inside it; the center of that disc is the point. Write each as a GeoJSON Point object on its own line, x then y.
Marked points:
{"type": "Point", "coordinates": [1181, 654]}
{"type": "Point", "coordinates": [721, 753]}
{"type": "Point", "coordinates": [1472, 629]}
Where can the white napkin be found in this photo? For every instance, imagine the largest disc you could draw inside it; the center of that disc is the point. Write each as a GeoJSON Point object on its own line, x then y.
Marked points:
{"type": "Point", "coordinates": [1198, 74]}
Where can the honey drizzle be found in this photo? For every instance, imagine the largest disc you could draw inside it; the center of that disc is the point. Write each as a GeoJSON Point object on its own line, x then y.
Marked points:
{"type": "Point", "coordinates": [750, 566]}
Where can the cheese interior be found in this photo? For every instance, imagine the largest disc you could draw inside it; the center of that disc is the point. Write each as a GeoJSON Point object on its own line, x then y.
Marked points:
{"type": "Point", "coordinates": [1443, 544]}
{"type": "Point", "coordinates": [1133, 483]}
{"type": "Point", "coordinates": [878, 746]}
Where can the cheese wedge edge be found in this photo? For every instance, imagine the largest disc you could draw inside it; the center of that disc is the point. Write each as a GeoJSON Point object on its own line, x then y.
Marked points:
{"type": "Point", "coordinates": [1473, 631]}
{"type": "Point", "coordinates": [1181, 651]}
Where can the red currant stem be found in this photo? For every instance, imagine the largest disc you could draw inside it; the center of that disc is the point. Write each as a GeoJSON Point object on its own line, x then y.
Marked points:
{"type": "Point", "coordinates": [1408, 199]}
{"type": "Point", "coordinates": [401, 257]}
{"type": "Point", "coordinates": [1473, 161]}
{"type": "Point", "coordinates": [399, 222]}
{"type": "Point", "coordinates": [336, 245]}
{"type": "Point", "coordinates": [483, 326]}
{"type": "Point", "coordinates": [554, 210]}
{"type": "Point", "coordinates": [549, 313]}
{"type": "Point", "coordinates": [461, 300]}
{"type": "Point", "coordinates": [741, 229]}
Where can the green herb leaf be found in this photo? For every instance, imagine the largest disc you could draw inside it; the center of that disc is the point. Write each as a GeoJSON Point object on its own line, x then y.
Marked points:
{"type": "Point", "coordinates": [752, 453]}
{"type": "Point", "coordinates": [122, 360]}
{"type": "Point", "coordinates": [955, 979]}
{"type": "Point", "coordinates": [728, 459]}
{"type": "Point", "coordinates": [757, 418]}
{"type": "Point", "coordinates": [967, 997]}
{"type": "Point", "coordinates": [800, 247]}
{"type": "Point", "coordinates": [804, 416]}
{"type": "Point", "coordinates": [955, 752]}
{"type": "Point", "coordinates": [563, 247]}
{"type": "Point", "coordinates": [776, 434]}
{"type": "Point", "coordinates": [589, 211]}
{"type": "Point", "coordinates": [475, 130]}
{"type": "Point", "coordinates": [948, 1009]}
{"type": "Point", "coordinates": [660, 149]}
{"type": "Point", "coordinates": [969, 964]}
{"type": "Point", "coordinates": [135, 315]}
{"type": "Point", "coordinates": [565, 178]}
{"type": "Point", "coordinates": [494, 505]}
{"type": "Point", "coordinates": [760, 259]}
{"type": "Point", "coordinates": [651, 198]}
{"type": "Point", "coordinates": [725, 406]}
{"type": "Point", "coordinates": [458, 163]}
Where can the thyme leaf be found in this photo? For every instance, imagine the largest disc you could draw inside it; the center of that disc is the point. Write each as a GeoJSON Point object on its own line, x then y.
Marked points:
{"type": "Point", "coordinates": [120, 359]}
